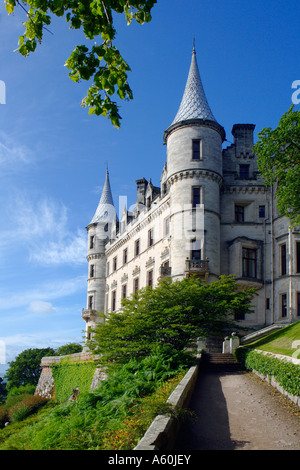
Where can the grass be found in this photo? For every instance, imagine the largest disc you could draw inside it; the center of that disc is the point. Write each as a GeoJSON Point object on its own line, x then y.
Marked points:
{"type": "Point", "coordinates": [113, 416]}
{"type": "Point", "coordinates": [280, 342]}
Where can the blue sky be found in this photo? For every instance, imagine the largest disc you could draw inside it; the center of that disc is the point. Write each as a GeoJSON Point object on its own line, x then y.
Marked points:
{"type": "Point", "coordinates": [53, 155]}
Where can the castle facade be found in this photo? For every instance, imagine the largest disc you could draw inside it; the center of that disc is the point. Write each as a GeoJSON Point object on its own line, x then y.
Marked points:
{"type": "Point", "coordinates": [210, 215]}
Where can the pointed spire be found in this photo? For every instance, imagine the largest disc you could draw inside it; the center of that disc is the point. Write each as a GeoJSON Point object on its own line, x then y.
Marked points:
{"type": "Point", "coordinates": [194, 104]}
{"type": "Point", "coordinates": [105, 211]}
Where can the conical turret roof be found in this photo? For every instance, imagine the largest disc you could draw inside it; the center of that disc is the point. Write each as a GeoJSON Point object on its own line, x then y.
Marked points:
{"type": "Point", "coordinates": [105, 211]}
{"type": "Point", "coordinates": [194, 104]}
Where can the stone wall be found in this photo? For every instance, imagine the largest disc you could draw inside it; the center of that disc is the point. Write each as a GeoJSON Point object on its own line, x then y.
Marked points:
{"type": "Point", "coordinates": [46, 385]}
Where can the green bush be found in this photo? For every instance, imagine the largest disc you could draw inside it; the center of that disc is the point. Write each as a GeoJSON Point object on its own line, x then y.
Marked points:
{"type": "Point", "coordinates": [81, 424]}
{"type": "Point", "coordinates": [25, 407]}
{"type": "Point", "coordinates": [3, 416]}
{"type": "Point", "coordinates": [285, 373]}
{"type": "Point", "coordinates": [21, 390]}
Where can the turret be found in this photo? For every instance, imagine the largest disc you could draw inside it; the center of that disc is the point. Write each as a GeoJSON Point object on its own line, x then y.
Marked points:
{"type": "Point", "coordinates": [99, 231]}
{"type": "Point", "coordinates": [194, 175]}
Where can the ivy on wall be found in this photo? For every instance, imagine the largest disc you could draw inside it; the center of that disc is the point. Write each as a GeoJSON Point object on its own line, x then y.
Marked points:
{"type": "Point", "coordinates": [285, 373]}
{"type": "Point", "coordinates": [69, 376]}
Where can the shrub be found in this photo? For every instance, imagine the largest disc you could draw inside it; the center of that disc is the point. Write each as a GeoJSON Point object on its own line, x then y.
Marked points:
{"type": "Point", "coordinates": [285, 373]}
{"type": "Point", "coordinates": [3, 416]}
{"type": "Point", "coordinates": [25, 407]}
{"type": "Point", "coordinates": [28, 389]}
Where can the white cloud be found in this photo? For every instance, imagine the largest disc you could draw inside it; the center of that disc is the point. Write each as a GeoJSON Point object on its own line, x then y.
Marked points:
{"type": "Point", "coordinates": [13, 155]}
{"type": "Point", "coordinates": [41, 307]}
{"type": "Point", "coordinates": [43, 293]}
{"type": "Point", "coordinates": [42, 228]}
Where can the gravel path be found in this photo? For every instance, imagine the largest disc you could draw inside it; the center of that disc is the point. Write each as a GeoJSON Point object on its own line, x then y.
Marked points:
{"type": "Point", "coordinates": [238, 411]}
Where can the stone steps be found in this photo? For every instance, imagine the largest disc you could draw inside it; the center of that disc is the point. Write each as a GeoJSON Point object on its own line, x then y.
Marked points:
{"type": "Point", "coordinates": [220, 361]}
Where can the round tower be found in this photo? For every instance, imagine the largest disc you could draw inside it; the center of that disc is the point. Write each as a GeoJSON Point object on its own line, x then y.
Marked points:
{"type": "Point", "coordinates": [194, 176]}
{"type": "Point", "coordinates": [98, 233]}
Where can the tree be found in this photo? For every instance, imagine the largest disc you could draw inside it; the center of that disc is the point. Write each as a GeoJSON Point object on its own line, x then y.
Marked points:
{"type": "Point", "coordinates": [102, 63]}
{"type": "Point", "coordinates": [25, 369]}
{"type": "Point", "coordinates": [69, 348]}
{"type": "Point", "coordinates": [3, 391]}
{"type": "Point", "coordinates": [172, 316]}
{"type": "Point", "coordinates": [278, 158]}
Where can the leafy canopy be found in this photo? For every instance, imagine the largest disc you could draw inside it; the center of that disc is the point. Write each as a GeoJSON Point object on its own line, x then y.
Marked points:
{"type": "Point", "coordinates": [278, 158]}
{"type": "Point", "coordinates": [102, 64]}
{"type": "Point", "coordinates": [170, 317]}
{"type": "Point", "coordinates": [25, 369]}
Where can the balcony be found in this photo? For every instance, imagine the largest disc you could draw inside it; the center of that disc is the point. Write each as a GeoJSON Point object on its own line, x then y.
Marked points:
{"type": "Point", "coordinates": [198, 267]}
{"type": "Point", "coordinates": [88, 314]}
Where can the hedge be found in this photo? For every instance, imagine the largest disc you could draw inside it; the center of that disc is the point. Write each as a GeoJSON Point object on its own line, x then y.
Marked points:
{"type": "Point", "coordinates": [285, 373]}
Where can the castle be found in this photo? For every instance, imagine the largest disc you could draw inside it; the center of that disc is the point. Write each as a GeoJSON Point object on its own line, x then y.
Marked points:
{"type": "Point", "coordinates": [211, 215]}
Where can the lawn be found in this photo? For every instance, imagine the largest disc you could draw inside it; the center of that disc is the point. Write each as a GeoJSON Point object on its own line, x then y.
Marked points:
{"type": "Point", "coordinates": [281, 342]}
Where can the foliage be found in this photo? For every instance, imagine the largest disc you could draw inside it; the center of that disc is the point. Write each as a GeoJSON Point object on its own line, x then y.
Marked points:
{"type": "Point", "coordinates": [19, 404]}
{"type": "Point", "coordinates": [285, 373]}
{"type": "Point", "coordinates": [3, 391]}
{"type": "Point", "coordinates": [102, 63]}
{"type": "Point", "coordinates": [70, 375]}
{"type": "Point", "coordinates": [278, 158]}
{"type": "Point", "coordinates": [70, 348]}
{"type": "Point", "coordinates": [25, 369]}
{"type": "Point", "coordinates": [23, 389]}
{"type": "Point", "coordinates": [24, 407]}
{"type": "Point", "coordinates": [86, 422]}
{"type": "Point", "coordinates": [139, 417]}
{"type": "Point", "coordinates": [172, 316]}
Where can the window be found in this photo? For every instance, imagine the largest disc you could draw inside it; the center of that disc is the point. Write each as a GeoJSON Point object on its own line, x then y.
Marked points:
{"type": "Point", "coordinates": [283, 259]}
{"type": "Point", "coordinates": [106, 228]}
{"type": "Point", "coordinates": [196, 150]}
{"type": "Point", "coordinates": [165, 188]}
{"type": "Point", "coordinates": [148, 202]}
{"type": "Point", "coordinates": [137, 247]}
{"type": "Point", "coordinates": [267, 303]}
{"type": "Point", "coordinates": [298, 256]}
{"type": "Point", "coordinates": [150, 278]}
{"type": "Point", "coordinates": [150, 237]}
{"type": "Point", "coordinates": [298, 304]}
{"type": "Point", "coordinates": [124, 291]}
{"type": "Point", "coordinates": [239, 316]}
{"type": "Point", "coordinates": [239, 213]}
{"type": "Point", "coordinates": [91, 302]}
{"type": "Point", "coordinates": [249, 263]}
{"type": "Point", "coordinates": [135, 285]}
{"type": "Point", "coordinates": [167, 226]}
{"type": "Point", "coordinates": [92, 270]}
{"type": "Point", "coordinates": [244, 171]}
{"type": "Point", "coordinates": [261, 212]}
{"type": "Point", "coordinates": [125, 256]}
{"type": "Point", "coordinates": [92, 241]}
{"type": "Point", "coordinates": [283, 305]}
{"type": "Point", "coordinates": [195, 251]}
{"type": "Point", "coordinates": [196, 196]}
{"type": "Point", "coordinates": [115, 263]}
{"type": "Point", "coordinates": [113, 300]}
